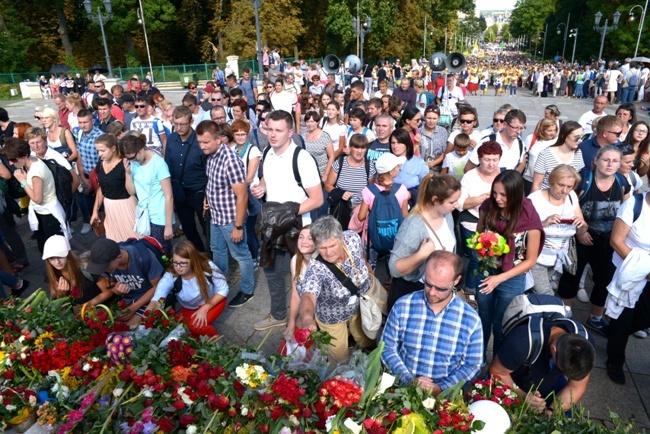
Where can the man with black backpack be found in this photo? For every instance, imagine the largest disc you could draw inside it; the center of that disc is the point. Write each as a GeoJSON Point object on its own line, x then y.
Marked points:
{"type": "Point", "coordinates": [544, 355]}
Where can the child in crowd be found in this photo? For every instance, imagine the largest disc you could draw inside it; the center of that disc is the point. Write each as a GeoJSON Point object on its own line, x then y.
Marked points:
{"type": "Point", "coordinates": [454, 162]}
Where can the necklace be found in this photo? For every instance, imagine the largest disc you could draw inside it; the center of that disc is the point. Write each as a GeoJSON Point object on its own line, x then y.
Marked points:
{"type": "Point", "coordinates": [609, 189]}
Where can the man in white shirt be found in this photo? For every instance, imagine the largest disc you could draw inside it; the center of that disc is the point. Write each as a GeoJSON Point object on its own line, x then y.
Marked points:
{"type": "Point", "coordinates": [587, 119]}
{"type": "Point", "coordinates": [280, 184]}
{"type": "Point", "coordinates": [452, 96]}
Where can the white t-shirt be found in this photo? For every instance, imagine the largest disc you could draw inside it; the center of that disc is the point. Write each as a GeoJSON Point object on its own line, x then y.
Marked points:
{"type": "Point", "coordinates": [472, 185]}
{"type": "Point", "coordinates": [511, 156]}
{"type": "Point", "coordinates": [476, 136]}
{"type": "Point", "coordinates": [455, 164]}
{"type": "Point", "coordinates": [452, 97]}
{"type": "Point", "coordinates": [336, 131]}
{"type": "Point", "coordinates": [190, 295]}
{"type": "Point", "coordinates": [152, 132]}
{"type": "Point", "coordinates": [51, 154]}
{"type": "Point", "coordinates": [558, 235]}
{"type": "Point", "coordinates": [587, 119]}
{"type": "Point", "coordinates": [281, 185]}
{"type": "Point", "coordinates": [638, 235]}
{"type": "Point", "coordinates": [40, 170]}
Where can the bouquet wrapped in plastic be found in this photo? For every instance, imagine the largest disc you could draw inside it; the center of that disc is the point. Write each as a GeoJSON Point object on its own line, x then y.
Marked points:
{"type": "Point", "coordinates": [489, 247]}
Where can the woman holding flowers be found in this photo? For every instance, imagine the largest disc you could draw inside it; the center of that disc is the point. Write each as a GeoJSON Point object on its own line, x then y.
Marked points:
{"type": "Point", "coordinates": [428, 227]}
{"type": "Point", "coordinates": [559, 210]}
{"type": "Point", "coordinates": [306, 250]}
{"type": "Point", "coordinates": [508, 213]}
{"type": "Point", "coordinates": [67, 277]}
{"type": "Point", "coordinates": [199, 286]}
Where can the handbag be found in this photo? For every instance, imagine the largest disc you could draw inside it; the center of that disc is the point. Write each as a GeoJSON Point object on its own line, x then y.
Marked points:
{"type": "Point", "coordinates": [373, 305]}
{"type": "Point", "coordinates": [142, 223]}
{"type": "Point", "coordinates": [573, 256]}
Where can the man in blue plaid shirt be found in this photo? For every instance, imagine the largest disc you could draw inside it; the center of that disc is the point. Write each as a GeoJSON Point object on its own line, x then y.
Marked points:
{"type": "Point", "coordinates": [433, 337]}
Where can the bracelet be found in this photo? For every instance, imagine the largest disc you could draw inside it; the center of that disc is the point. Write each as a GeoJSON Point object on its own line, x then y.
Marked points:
{"type": "Point", "coordinates": [23, 184]}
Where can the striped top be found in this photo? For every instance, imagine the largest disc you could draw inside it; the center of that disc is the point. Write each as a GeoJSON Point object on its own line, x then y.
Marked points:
{"type": "Point", "coordinates": [352, 179]}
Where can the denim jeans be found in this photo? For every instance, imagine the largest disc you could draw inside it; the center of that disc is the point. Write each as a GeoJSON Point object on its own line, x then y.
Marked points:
{"type": "Point", "coordinates": [471, 280]}
{"type": "Point", "coordinates": [492, 306]}
{"type": "Point", "coordinates": [276, 280]}
{"type": "Point", "coordinates": [221, 243]}
{"type": "Point", "coordinates": [251, 237]}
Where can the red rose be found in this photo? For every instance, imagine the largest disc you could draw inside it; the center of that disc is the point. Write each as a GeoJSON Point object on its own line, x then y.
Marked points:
{"type": "Point", "coordinates": [391, 417]}
{"type": "Point", "coordinates": [165, 425]}
{"type": "Point", "coordinates": [277, 413]}
{"type": "Point", "coordinates": [232, 412]}
{"type": "Point", "coordinates": [406, 411]}
{"type": "Point", "coordinates": [8, 374]}
{"type": "Point", "coordinates": [306, 413]}
{"type": "Point", "coordinates": [179, 405]}
{"type": "Point", "coordinates": [302, 335]}
{"type": "Point", "coordinates": [187, 419]}
{"type": "Point", "coordinates": [498, 391]}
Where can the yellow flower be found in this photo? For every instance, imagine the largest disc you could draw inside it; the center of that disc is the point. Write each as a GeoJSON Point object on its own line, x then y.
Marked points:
{"type": "Point", "coordinates": [39, 340]}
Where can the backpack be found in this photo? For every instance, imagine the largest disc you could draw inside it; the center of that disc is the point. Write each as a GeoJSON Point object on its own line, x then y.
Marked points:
{"type": "Point", "coordinates": [430, 98]}
{"type": "Point", "coordinates": [638, 206]}
{"type": "Point", "coordinates": [493, 138]}
{"type": "Point", "coordinates": [633, 80]}
{"type": "Point", "coordinates": [155, 128]}
{"type": "Point", "coordinates": [62, 182]}
{"type": "Point", "coordinates": [385, 218]}
{"type": "Point", "coordinates": [294, 166]}
{"type": "Point", "coordinates": [587, 181]}
{"type": "Point", "coordinates": [151, 244]}
{"type": "Point", "coordinates": [534, 310]}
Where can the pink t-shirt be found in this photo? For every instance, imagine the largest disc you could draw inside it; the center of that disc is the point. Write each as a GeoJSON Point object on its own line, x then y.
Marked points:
{"type": "Point", "coordinates": [402, 195]}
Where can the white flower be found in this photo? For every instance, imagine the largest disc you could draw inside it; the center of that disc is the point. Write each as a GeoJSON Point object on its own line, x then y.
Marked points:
{"type": "Point", "coordinates": [86, 367]}
{"type": "Point", "coordinates": [352, 426]}
{"type": "Point", "coordinates": [244, 411]}
{"type": "Point", "coordinates": [147, 393]}
{"type": "Point", "coordinates": [21, 339]}
{"type": "Point", "coordinates": [386, 381]}
{"type": "Point", "coordinates": [8, 361]}
{"type": "Point", "coordinates": [429, 403]}
{"type": "Point", "coordinates": [186, 399]}
{"type": "Point", "coordinates": [11, 407]}
{"type": "Point", "coordinates": [191, 429]}
{"type": "Point", "coordinates": [32, 400]}
{"type": "Point", "coordinates": [328, 423]}
{"type": "Point", "coordinates": [95, 359]}
{"type": "Point", "coordinates": [23, 356]}
{"type": "Point", "coordinates": [118, 392]}
{"type": "Point", "coordinates": [285, 430]}
{"type": "Point", "coordinates": [294, 420]}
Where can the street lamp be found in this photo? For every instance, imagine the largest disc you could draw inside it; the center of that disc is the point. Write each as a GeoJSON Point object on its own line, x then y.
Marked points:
{"type": "Point", "coordinates": [260, 57]}
{"type": "Point", "coordinates": [643, 11]}
{"type": "Point", "coordinates": [604, 29]}
{"type": "Point", "coordinates": [539, 37]}
{"type": "Point", "coordinates": [88, 4]}
{"type": "Point", "coordinates": [574, 34]}
{"type": "Point", "coordinates": [362, 30]}
{"type": "Point", "coordinates": [146, 39]}
{"type": "Point", "coordinates": [566, 29]}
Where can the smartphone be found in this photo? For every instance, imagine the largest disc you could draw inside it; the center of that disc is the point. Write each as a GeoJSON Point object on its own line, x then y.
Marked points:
{"type": "Point", "coordinates": [566, 221]}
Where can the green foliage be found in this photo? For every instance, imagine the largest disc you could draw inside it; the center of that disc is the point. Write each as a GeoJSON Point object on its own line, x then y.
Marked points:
{"type": "Point", "coordinates": [132, 60]}
{"type": "Point", "coordinates": [15, 43]}
{"type": "Point", "coordinates": [339, 27]}
{"type": "Point", "coordinates": [529, 16]}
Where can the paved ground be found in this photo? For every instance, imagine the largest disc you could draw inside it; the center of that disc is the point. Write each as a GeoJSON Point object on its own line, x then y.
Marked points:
{"type": "Point", "coordinates": [629, 401]}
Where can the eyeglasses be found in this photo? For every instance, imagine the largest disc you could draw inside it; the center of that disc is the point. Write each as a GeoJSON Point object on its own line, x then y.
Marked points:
{"type": "Point", "coordinates": [140, 105]}
{"type": "Point", "coordinates": [617, 134]}
{"type": "Point", "coordinates": [517, 128]}
{"type": "Point", "coordinates": [192, 88]}
{"type": "Point", "coordinates": [498, 121]}
{"type": "Point", "coordinates": [38, 118]}
{"type": "Point", "coordinates": [466, 121]}
{"type": "Point", "coordinates": [180, 124]}
{"type": "Point", "coordinates": [219, 118]}
{"type": "Point", "coordinates": [262, 118]}
{"type": "Point", "coordinates": [133, 157]}
{"type": "Point", "coordinates": [438, 288]}
{"type": "Point", "coordinates": [180, 264]}
{"type": "Point", "coordinates": [215, 99]}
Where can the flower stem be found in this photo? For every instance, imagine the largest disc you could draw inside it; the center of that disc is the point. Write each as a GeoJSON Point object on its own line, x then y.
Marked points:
{"type": "Point", "coordinates": [110, 413]}
{"type": "Point", "coordinates": [263, 340]}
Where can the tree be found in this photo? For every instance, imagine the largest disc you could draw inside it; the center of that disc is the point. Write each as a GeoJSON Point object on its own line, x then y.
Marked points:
{"type": "Point", "coordinates": [528, 16]}
{"type": "Point", "coordinates": [280, 24]}
{"type": "Point", "coordinates": [14, 44]}
{"type": "Point", "coordinates": [339, 27]}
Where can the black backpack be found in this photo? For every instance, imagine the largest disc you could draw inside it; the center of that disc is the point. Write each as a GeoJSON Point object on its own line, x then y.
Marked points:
{"type": "Point", "coordinates": [151, 244]}
{"type": "Point", "coordinates": [62, 182]}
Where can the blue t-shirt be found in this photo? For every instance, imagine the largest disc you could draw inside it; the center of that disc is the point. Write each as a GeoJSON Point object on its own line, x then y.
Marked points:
{"type": "Point", "coordinates": [143, 268]}
{"type": "Point", "coordinates": [148, 189]}
{"type": "Point", "coordinates": [412, 172]}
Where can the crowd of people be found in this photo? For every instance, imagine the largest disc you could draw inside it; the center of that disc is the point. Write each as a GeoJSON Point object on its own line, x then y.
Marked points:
{"type": "Point", "coordinates": [305, 177]}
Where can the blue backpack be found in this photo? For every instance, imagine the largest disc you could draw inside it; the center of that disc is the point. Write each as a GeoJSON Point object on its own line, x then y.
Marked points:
{"type": "Point", "coordinates": [430, 98]}
{"type": "Point", "coordinates": [385, 218]}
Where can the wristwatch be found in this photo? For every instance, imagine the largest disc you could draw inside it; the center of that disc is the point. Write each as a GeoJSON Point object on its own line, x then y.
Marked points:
{"type": "Point", "coordinates": [239, 228]}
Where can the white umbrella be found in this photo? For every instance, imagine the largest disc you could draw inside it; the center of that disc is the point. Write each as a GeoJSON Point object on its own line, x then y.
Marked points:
{"type": "Point", "coordinates": [641, 59]}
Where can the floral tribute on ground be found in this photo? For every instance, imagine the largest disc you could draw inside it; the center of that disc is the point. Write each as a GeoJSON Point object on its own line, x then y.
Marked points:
{"type": "Point", "coordinates": [89, 374]}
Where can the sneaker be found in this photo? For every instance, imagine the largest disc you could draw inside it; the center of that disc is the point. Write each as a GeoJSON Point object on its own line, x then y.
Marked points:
{"type": "Point", "coordinates": [641, 334]}
{"type": "Point", "coordinates": [256, 264]}
{"type": "Point", "coordinates": [615, 373]}
{"type": "Point", "coordinates": [240, 300]}
{"type": "Point", "coordinates": [18, 291]}
{"type": "Point", "coordinates": [582, 295]}
{"type": "Point", "coordinates": [85, 229]}
{"type": "Point", "coordinates": [599, 326]}
{"type": "Point", "coordinates": [269, 322]}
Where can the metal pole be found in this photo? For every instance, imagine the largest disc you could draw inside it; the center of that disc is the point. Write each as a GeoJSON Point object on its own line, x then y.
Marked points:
{"type": "Point", "coordinates": [358, 27]}
{"type": "Point", "coordinates": [603, 32]}
{"type": "Point", "coordinates": [575, 41]}
{"type": "Point", "coordinates": [146, 40]}
{"type": "Point", "coordinates": [566, 31]}
{"type": "Point", "coordinates": [544, 49]}
{"type": "Point", "coordinates": [424, 50]}
{"type": "Point", "coordinates": [362, 35]}
{"type": "Point", "coordinates": [108, 58]}
{"type": "Point", "coordinates": [638, 39]}
{"type": "Point", "coordinates": [260, 57]}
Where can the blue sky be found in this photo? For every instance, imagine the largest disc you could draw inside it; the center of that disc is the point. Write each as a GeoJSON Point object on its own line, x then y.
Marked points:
{"type": "Point", "coordinates": [494, 4]}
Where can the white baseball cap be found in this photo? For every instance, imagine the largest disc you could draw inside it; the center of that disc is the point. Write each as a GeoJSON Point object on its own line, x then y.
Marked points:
{"type": "Point", "coordinates": [56, 246]}
{"type": "Point", "coordinates": [387, 162]}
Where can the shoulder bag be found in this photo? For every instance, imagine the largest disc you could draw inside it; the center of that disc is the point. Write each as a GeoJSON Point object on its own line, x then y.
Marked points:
{"type": "Point", "coordinates": [142, 222]}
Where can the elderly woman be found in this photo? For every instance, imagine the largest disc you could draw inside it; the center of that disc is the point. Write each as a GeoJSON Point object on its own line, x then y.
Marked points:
{"type": "Point", "coordinates": [561, 217]}
{"type": "Point", "coordinates": [324, 300]}
{"type": "Point", "coordinates": [632, 259]}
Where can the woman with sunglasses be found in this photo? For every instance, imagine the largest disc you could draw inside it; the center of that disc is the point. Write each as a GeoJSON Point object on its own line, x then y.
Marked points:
{"type": "Point", "coordinates": [510, 214]}
{"type": "Point", "coordinates": [565, 151]}
{"type": "Point", "coordinates": [46, 215]}
{"type": "Point", "coordinates": [433, 143]}
{"type": "Point", "coordinates": [468, 120]}
{"type": "Point", "coordinates": [153, 186]}
{"type": "Point", "coordinates": [639, 138]}
{"type": "Point", "coordinates": [201, 289]}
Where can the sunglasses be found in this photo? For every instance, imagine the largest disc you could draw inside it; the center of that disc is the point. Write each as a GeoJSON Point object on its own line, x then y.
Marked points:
{"type": "Point", "coordinates": [140, 105]}
{"type": "Point", "coordinates": [617, 134]}
{"type": "Point", "coordinates": [215, 99]}
{"type": "Point", "coordinates": [466, 121]}
{"type": "Point", "coordinates": [500, 121]}
{"type": "Point", "coordinates": [438, 288]}
{"type": "Point", "coordinates": [38, 118]}
{"type": "Point", "coordinates": [192, 88]}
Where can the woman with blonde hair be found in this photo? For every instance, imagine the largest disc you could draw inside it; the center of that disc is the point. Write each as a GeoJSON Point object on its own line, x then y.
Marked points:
{"type": "Point", "coordinates": [58, 138]}
{"type": "Point", "coordinates": [116, 191]}
{"type": "Point", "coordinates": [198, 285]}
{"type": "Point", "coordinates": [67, 277]}
{"type": "Point", "coordinates": [74, 104]}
